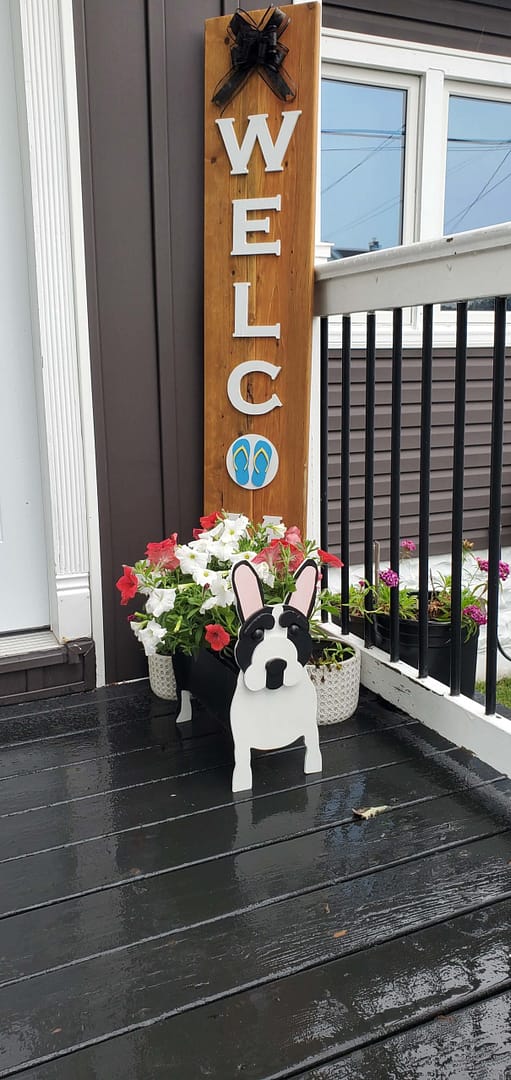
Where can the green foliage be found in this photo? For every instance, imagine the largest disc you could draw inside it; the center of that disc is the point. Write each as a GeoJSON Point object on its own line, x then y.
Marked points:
{"type": "Point", "coordinates": [365, 599]}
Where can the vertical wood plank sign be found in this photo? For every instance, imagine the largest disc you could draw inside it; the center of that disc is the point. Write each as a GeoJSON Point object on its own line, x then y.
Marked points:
{"type": "Point", "coordinates": [261, 93]}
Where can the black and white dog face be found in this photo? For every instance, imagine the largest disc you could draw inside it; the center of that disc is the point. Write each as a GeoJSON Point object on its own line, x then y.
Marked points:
{"type": "Point", "coordinates": [274, 643]}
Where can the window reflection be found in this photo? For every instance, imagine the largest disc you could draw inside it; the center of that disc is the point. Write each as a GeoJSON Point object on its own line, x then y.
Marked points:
{"type": "Point", "coordinates": [478, 175]}
{"type": "Point", "coordinates": [362, 166]}
{"type": "Point", "coordinates": [478, 170]}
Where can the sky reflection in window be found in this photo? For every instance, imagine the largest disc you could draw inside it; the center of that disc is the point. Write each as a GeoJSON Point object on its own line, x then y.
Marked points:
{"type": "Point", "coordinates": [478, 176]}
{"type": "Point", "coordinates": [362, 163]}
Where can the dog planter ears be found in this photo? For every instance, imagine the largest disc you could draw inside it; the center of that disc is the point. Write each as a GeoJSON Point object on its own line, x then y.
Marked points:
{"type": "Point", "coordinates": [274, 702]}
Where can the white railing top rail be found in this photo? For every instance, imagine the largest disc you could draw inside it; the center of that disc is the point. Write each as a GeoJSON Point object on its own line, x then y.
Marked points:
{"type": "Point", "coordinates": [465, 266]}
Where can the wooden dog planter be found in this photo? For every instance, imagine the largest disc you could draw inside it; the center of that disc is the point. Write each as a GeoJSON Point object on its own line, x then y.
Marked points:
{"type": "Point", "coordinates": [268, 699]}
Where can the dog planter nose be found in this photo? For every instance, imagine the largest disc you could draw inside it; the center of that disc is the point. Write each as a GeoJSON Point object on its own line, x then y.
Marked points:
{"type": "Point", "coordinates": [275, 674]}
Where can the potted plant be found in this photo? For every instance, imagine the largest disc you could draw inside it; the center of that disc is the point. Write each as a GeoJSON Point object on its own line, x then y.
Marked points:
{"type": "Point", "coordinates": [189, 619]}
{"type": "Point", "coordinates": [335, 671]}
{"type": "Point", "coordinates": [473, 613]}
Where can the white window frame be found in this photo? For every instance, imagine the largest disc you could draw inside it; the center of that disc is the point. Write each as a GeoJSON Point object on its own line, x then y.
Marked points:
{"type": "Point", "coordinates": [436, 73]}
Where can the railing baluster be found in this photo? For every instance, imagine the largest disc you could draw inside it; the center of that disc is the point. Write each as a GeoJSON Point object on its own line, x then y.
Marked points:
{"type": "Point", "coordinates": [425, 465]}
{"type": "Point", "coordinates": [497, 430]}
{"type": "Point", "coordinates": [395, 474]}
{"type": "Point", "coordinates": [369, 464]}
{"type": "Point", "coordinates": [345, 470]}
{"type": "Point", "coordinates": [323, 448]}
{"type": "Point", "coordinates": [458, 471]}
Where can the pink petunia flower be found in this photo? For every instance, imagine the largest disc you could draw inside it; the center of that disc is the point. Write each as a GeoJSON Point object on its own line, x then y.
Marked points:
{"type": "Point", "coordinates": [476, 614]}
{"type": "Point", "coordinates": [390, 578]}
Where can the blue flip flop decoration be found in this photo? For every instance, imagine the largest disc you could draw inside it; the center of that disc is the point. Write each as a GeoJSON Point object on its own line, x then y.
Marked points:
{"type": "Point", "coordinates": [240, 460]}
{"type": "Point", "coordinates": [261, 463]}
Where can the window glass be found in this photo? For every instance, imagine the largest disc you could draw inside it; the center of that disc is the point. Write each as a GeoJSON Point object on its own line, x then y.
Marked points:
{"type": "Point", "coordinates": [478, 176]}
{"type": "Point", "coordinates": [362, 166]}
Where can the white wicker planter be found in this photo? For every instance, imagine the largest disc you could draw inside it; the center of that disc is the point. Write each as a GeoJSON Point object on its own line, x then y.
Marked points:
{"type": "Point", "coordinates": [337, 689]}
{"type": "Point", "coordinates": [161, 676]}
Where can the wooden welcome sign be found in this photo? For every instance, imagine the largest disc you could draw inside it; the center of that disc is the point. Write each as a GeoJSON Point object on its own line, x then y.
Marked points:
{"type": "Point", "coordinates": [260, 164]}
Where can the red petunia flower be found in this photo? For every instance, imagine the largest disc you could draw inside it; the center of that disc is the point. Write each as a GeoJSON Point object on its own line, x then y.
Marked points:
{"type": "Point", "coordinates": [216, 636]}
{"type": "Point", "coordinates": [209, 520]}
{"type": "Point", "coordinates": [329, 560]}
{"type": "Point", "coordinates": [127, 584]}
{"type": "Point", "coordinates": [293, 535]}
{"type": "Point", "coordinates": [277, 553]}
{"type": "Point", "coordinates": [163, 554]}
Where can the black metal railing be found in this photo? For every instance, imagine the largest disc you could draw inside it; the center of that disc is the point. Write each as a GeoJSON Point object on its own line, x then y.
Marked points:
{"type": "Point", "coordinates": [458, 478]}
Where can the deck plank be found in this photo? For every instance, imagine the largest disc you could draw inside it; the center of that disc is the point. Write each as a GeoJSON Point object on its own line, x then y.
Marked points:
{"type": "Point", "coordinates": [153, 924]}
{"type": "Point", "coordinates": [54, 935]}
{"type": "Point", "coordinates": [107, 762]}
{"type": "Point", "coordinates": [322, 1013]}
{"type": "Point", "coordinates": [125, 805]}
{"type": "Point", "coordinates": [472, 1044]}
{"type": "Point", "coordinates": [116, 856]}
{"type": "Point", "coordinates": [204, 963]}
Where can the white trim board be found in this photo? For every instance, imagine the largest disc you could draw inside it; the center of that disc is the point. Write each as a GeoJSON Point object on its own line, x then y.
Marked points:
{"type": "Point", "coordinates": [458, 719]}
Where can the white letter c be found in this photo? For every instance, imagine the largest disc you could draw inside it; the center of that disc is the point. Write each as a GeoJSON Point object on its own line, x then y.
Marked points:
{"type": "Point", "coordinates": [234, 388]}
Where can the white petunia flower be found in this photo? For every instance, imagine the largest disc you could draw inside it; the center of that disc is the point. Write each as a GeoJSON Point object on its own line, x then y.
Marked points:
{"type": "Point", "coordinates": [234, 528]}
{"type": "Point", "coordinates": [203, 543]}
{"type": "Point", "coordinates": [190, 559]}
{"type": "Point", "coordinates": [205, 576]}
{"type": "Point", "coordinates": [275, 530]}
{"type": "Point", "coordinates": [221, 594]}
{"type": "Point", "coordinates": [223, 551]}
{"type": "Point", "coordinates": [265, 573]}
{"type": "Point", "coordinates": [242, 556]}
{"type": "Point", "coordinates": [150, 636]}
{"type": "Point", "coordinates": [160, 600]}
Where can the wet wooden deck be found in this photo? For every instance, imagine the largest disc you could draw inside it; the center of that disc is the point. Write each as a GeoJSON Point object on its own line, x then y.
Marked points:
{"type": "Point", "coordinates": [154, 927]}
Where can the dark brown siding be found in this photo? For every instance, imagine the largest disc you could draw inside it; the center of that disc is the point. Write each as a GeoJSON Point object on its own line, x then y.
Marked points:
{"type": "Point", "coordinates": [461, 24]}
{"type": "Point", "coordinates": [139, 66]}
{"type": "Point", "coordinates": [477, 453]}
{"type": "Point", "coordinates": [140, 91]}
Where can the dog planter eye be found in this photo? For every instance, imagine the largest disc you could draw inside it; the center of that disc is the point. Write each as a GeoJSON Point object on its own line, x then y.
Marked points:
{"type": "Point", "coordinates": [274, 702]}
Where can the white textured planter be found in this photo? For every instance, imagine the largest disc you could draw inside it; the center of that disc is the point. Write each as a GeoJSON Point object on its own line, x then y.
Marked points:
{"type": "Point", "coordinates": [337, 689]}
{"type": "Point", "coordinates": [161, 676]}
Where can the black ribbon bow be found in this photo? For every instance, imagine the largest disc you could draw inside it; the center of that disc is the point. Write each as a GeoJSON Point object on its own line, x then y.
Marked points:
{"type": "Point", "coordinates": [256, 47]}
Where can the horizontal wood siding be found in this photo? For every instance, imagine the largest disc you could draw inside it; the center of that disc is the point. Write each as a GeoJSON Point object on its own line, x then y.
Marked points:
{"type": "Point", "coordinates": [477, 452]}
{"type": "Point", "coordinates": [460, 24]}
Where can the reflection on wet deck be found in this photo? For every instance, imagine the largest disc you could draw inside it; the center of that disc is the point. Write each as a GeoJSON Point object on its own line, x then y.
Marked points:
{"type": "Point", "coordinates": [155, 925]}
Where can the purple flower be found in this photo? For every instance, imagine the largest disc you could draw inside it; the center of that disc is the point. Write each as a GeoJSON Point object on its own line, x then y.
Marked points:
{"type": "Point", "coordinates": [476, 614]}
{"type": "Point", "coordinates": [390, 578]}
{"type": "Point", "coordinates": [503, 568]}
{"type": "Point", "coordinates": [408, 545]}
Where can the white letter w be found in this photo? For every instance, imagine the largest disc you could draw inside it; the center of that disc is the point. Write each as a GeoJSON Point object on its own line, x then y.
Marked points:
{"type": "Point", "coordinates": [257, 129]}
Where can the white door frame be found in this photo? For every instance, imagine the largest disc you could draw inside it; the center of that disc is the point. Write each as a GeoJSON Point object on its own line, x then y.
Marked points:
{"type": "Point", "coordinates": [49, 129]}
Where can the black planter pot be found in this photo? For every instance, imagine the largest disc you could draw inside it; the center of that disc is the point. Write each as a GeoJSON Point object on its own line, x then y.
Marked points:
{"type": "Point", "coordinates": [439, 649]}
{"type": "Point", "coordinates": [359, 626]}
{"type": "Point", "coordinates": [211, 679]}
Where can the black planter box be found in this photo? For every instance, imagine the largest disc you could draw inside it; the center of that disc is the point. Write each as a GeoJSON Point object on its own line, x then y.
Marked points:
{"type": "Point", "coordinates": [439, 646]}
{"type": "Point", "coordinates": [211, 679]}
{"type": "Point", "coordinates": [439, 649]}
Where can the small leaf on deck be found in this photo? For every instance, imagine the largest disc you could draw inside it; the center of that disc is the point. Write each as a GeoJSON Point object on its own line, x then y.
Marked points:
{"type": "Point", "coordinates": [340, 933]}
{"type": "Point", "coordinates": [327, 909]}
{"type": "Point", "coordinates": [56, 1031]}
{"type": "Point", "coordinates": [366, 812]}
